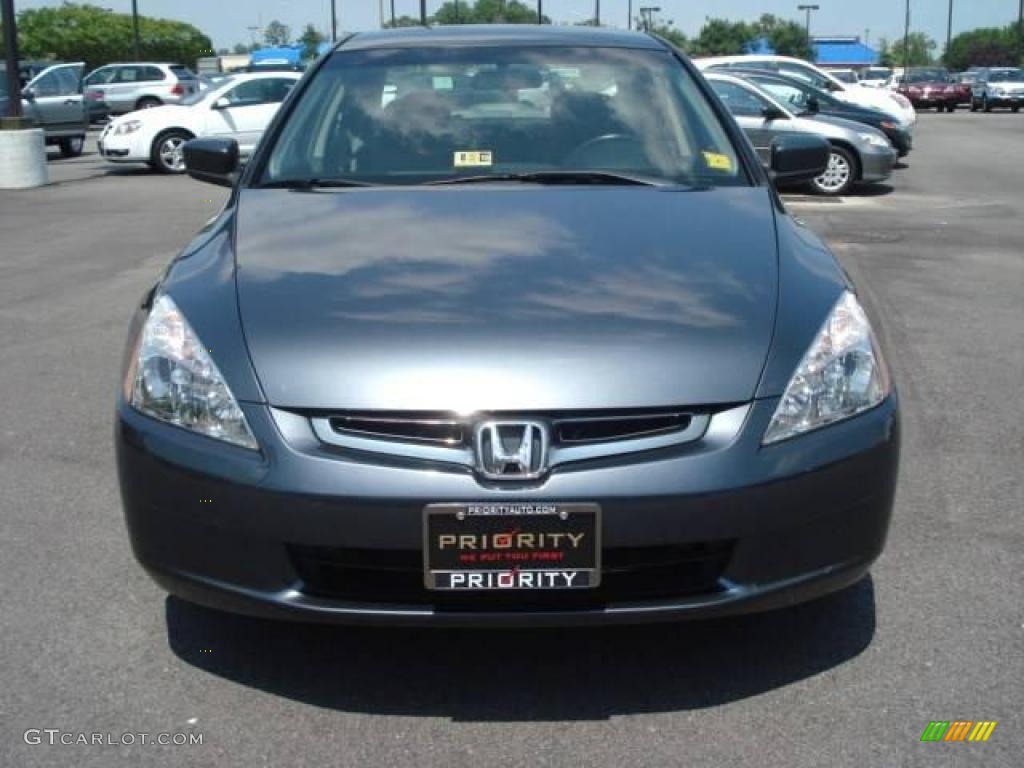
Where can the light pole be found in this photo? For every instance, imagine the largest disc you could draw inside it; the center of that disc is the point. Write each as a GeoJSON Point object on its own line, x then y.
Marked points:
{"type": "Point", "coordinates": [334, 22]}
{"type": "Point", "coordinates": [647, 14]}
{"type": "Point", "coordinates": [11, 55]}
{"type": "Point", "coordinates": [906, 43]}
{"type": "Point", "coordinates": [629, 17]}
{"type": "Point", "coordinates": [597, 13]}
{"type": "Point", "coordinates": [807, 24]}
{"type": "Point", "coordinates": [423, 12]}
{"type": "Point", "coordinates": [135, 28]}
{"type": "Point", "coordinates": [540, 11]}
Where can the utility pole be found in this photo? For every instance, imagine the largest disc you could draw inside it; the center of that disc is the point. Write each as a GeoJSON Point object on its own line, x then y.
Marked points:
{"type": "Point", "coordinates": [807, 24]}
{"type": "Point", "coordinates": [629, 17]}
{"type": "Point", "coordinates": [906, 43]}
{"type": "Point", "coordinates": [949, 27]}
{"type": "Point", "coordinates": [392, 14]}
{"type": "Point", "coordinates": [135, 29]}
{"type": "Point", "coordinates": [334, 22]}
{"type": "Point", "coordinates": [540, 11]}
{"type": "Point", "coordinates": [11, 55]}
{"type": "Point", "coordinates": [1020, 32]}
{"type": "Point", "coordinates": [423, 12]}
{"type": "Point", "coordinates": [597, 13]}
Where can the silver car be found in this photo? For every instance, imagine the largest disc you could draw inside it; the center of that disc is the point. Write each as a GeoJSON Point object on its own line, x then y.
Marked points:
{"type": "Point", "coordinates": [140, 85]}
{"type": "Point", "coordinates": [53, 101]}
{"type": "Point", "coordinates": [998, 87]}
{"type": "Point", "coordinates": [860, 153]}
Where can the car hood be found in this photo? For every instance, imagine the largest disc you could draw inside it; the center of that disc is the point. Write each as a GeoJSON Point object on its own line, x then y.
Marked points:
{"type": "Point", "coordinates": [166, 114]}
{"type": "Point", "coordinates": [872, 97]}
{"type": "Point", "coordinates": [506, 298]}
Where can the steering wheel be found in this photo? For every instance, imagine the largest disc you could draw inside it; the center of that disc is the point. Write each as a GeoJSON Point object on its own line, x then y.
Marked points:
{"type": "Point", "coordinates": [601, 145]}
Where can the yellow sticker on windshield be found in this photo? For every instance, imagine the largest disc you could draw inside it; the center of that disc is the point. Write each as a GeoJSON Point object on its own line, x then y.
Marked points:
{"type": "Point", "coordinates": [717, 162]}
{"type": "Point", "coordinates": [474, 159]}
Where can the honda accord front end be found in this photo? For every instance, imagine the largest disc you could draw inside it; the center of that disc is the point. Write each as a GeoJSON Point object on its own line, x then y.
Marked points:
{"type": "Point", "coordinates": [504, 326]}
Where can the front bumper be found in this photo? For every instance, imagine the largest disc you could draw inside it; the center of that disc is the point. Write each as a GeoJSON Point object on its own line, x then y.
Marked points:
{"type": "Point", "coordinates": [877, 164]}
{"type": "Point", "coordinates": [763, 527]}
{"type": "Point", "coordinates": [1011, 100]}
{"type": "Point", "coordinates": [122, 149]}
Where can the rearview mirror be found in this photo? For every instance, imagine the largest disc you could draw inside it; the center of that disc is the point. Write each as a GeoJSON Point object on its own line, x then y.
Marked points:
{"type": "Point", "coordinates": [798, 157]}
{"type": "Point", "coordinates": [214, 161]}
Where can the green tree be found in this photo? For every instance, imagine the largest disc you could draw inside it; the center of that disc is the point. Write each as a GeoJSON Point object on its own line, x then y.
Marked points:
{"type": "Point", "coordinates": [277, 34]}
{"type": "Point", "coordinates": [487, 12]}
{"type": "Point", "coordinates": [786, 38]}
{"type": "Point", "coordinates": [919, 51]}
{"type": "Point", "coordinates": [82, 32]}
{"type": "Point", "coordinates": [720, 37]}
{"type": "Point", "coordinates": [986, 47]}
{"type": "Point", "coordinates": [311, 39]}
{"type": "Point", "coordinates": [885, 54]}
{"type": "Point", "coordinates": [669, 32]}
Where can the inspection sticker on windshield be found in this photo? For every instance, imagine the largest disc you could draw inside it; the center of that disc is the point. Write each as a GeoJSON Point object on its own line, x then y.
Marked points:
{"type": "Point", "coordinates": [717, 162]}
{"type": "Point", "coordinates": [473, 159]}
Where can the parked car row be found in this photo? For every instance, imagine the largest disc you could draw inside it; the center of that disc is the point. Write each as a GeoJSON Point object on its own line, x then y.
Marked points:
{"type": "Point", "coordinates": [981, 88]}
{"type": "Point", "coordinates": [773, 97]}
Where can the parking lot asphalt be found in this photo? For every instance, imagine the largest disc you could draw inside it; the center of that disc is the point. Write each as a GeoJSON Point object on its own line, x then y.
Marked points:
{"type": "Point", "coordinates": [89, 644]}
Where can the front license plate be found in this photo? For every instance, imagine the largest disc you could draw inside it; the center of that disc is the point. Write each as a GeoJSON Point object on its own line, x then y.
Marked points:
{"type": "Point", "coordinates": [485, 546]}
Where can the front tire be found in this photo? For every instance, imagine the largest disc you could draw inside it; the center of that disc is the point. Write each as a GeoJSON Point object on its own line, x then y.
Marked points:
{"type": "Point", "coordinates": [839, 175]}
{"type": "Point", "coordinates": [166, 155]}
{"type": "Point", "coordinates": [72, 147]}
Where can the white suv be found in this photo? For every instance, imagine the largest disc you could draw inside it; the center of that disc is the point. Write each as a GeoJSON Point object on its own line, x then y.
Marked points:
{"type": "Point", "coordinates": [891, 103]}
{"type": "Point", "coordinates": [140, 85]}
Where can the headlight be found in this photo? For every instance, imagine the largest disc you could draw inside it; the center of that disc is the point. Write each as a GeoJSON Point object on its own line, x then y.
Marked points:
{"type": "Point", "coordinates": [874, 139]}
{"type": "Point", "coordinates": [174, 379]}
{"type": "Point", "coordinates": [842, 374]}
{"type": "Point", "coordinates": [128, 126]}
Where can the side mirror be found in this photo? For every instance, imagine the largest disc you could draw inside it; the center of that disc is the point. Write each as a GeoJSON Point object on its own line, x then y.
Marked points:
{"type": "Point", "coordinates": [28, 94]}
{"type": "Point", "coordinates": [798, 157]}
{"type": "Point", "coordinates": [222, 103]}
{"type": "Point", "coordinates": [214, 161]}
{"type": "Point", "coordinates": [773, 113]}
{"type": "Point", "coordinates": [813, 106]}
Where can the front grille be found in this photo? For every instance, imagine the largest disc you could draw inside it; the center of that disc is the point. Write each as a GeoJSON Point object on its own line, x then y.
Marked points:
{"type": "Point", "coordinates": [567, 428]}
{"type": "Point", "coordinates": [438, 430]}
{"type": "Point", "coordinates": [629, 574]}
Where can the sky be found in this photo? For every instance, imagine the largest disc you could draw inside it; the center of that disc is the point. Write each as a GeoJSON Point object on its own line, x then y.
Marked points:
{"type": "Point", "coordinates": [228, 21]}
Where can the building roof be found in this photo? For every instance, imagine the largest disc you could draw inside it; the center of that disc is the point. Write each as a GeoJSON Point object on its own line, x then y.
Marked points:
{"type": "Point", "coordinates": [829, 51]}
{"type": "Point", "coordinates": [844, 51]}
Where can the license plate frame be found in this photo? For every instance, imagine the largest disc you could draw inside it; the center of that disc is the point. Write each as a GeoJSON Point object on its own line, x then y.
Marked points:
{"type": "Point", "coordinates": [552, 546]}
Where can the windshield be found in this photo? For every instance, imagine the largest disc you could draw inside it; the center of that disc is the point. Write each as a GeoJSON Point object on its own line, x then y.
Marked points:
{"type": "Point", "coordinates": [877, 73]}
{"type": "Point", "coordinates": [1006, 76]}
{"type": "Point", "coordinates": [927, 76]}
{"type": "Point", "coordinates": [417, 115]}
{"type": "Point", "coordinates": [844, 75]}
{"type": "Point", "coordinates": [198, 96]}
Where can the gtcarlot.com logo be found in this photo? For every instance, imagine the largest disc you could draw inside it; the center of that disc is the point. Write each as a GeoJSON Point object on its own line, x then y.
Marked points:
{"type": "Point", "coordinates": [55, 736]}
{"type": "Point", "coordinates": [958, 730]}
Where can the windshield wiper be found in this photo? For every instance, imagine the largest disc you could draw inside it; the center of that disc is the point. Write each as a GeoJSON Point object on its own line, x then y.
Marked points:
{"type": "Point", "coordinates": [313, 183]}
{"type": "Point", "coordinates": [558, 177]}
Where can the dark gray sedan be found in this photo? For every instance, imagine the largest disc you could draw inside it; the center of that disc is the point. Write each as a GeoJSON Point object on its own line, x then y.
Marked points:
{"type": "Point", "coordinates": [505, 325]}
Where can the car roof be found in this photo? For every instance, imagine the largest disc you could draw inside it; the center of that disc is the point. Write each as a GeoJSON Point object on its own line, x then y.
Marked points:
{"type": "Point", "coordinates": [499, 34]}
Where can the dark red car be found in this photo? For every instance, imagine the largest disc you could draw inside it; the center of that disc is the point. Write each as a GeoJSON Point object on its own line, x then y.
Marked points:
{"type": "Point", "coordinates": [927, 88]}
